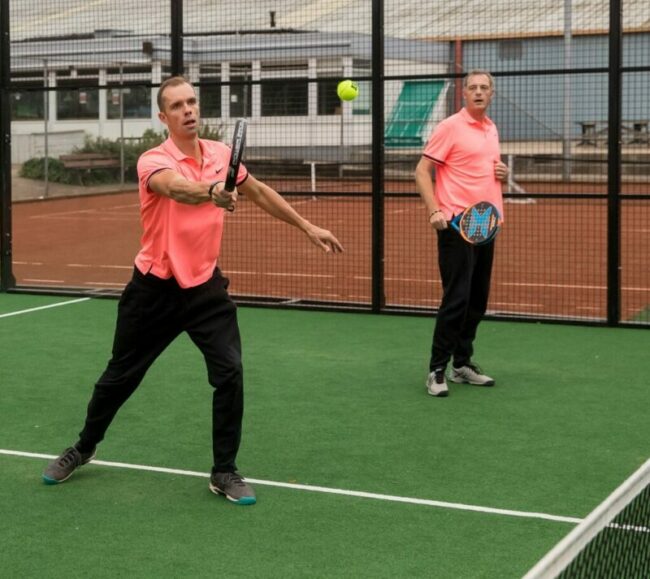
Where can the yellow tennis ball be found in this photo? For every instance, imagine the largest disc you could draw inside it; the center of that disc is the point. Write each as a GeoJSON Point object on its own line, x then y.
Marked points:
{"type": "Point", "coordinates": [347, 90]}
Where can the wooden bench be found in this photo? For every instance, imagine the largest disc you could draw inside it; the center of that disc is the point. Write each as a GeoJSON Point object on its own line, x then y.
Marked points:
{"type": "Point", "coordinates": [89, 161]}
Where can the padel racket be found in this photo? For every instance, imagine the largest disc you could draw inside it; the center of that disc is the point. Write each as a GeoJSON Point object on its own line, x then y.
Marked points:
{"type": "Point", "coordinates": [478, 224]}
{"type": "Point", "coordinates": [236, 154]}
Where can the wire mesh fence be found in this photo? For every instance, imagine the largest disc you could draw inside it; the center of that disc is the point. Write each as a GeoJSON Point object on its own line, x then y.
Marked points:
{"type": "Point", "coordinates": [571, 107]}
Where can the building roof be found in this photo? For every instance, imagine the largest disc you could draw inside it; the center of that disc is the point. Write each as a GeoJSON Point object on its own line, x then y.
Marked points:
{"type": "Point", "coordinates": [111, 47]}
{"type": "Point", "coordinates": [413, 19]}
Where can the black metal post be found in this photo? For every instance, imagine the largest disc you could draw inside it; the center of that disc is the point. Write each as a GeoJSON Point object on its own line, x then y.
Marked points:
{"type": "Point", "coordinates": [177, 37]}
{"type": "Point", "coordinates": [378, 297]}
{"type": "Point", "coordinates": [7, 279]}
{"type": "Point", "coordinates": [614, 165]}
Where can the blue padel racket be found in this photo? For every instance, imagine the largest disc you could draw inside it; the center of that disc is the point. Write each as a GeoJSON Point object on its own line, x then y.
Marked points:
{"type": "Point", "coordinates": [478, 224]}
{"type": "Point", "coordinates": [236, 155]}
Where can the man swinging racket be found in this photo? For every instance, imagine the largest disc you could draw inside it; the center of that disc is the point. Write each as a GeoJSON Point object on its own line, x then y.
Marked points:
{"type": "Point", "coordinates": [177, 287]}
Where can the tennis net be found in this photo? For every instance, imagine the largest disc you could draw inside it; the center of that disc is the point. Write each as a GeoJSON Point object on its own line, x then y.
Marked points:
{"type": "Point", "coordinates": [613, 542]}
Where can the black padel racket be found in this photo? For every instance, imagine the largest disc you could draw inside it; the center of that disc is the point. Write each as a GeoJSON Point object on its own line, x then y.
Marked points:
{"type": "Point", "coordinates": [479, 223]}
{"type": "Point", "coordinates": [236, 155]}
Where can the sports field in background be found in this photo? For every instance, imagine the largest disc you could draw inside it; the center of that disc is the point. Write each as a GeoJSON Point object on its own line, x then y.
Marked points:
{"type": "Point", "coordinates": [551, 256]}
{"type": "Point", "coordinates": [359, 473]}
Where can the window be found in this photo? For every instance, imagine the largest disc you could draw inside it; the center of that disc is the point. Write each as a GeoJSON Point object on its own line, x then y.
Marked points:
{"type": "Point", "coordinates": [77, 104]}
{"type": "Point", "coordinates": [210, 98]}
{"type": "Point", "coordinates": [328, 100]}
{"type": "Point", "coordinates": [362, 105]}
{"type": "Point", "coordinates": [210, 94]}
{"type": "Point", "coordinates": [287, 97]}
{"type": "Point", "coordinates": [511, 49]}
{"type": "Point", "coordinates": [137, 102]}
{"type": "Point", "coordinates": [28, 105]}
{"type": "Point", "coordinates": [81, 102]}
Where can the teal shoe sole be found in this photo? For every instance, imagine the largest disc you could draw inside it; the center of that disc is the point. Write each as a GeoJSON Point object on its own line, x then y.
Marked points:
{"type": "Point", "coordinates": [245, 501]}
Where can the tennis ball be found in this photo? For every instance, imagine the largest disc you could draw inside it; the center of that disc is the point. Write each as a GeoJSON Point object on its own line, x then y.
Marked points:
{"type": "Point", "coordinates": [347, 90]}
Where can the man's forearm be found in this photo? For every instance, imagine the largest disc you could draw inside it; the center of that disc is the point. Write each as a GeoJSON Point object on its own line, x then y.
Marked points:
{"type": "Point", "coordinates": [185, 191]}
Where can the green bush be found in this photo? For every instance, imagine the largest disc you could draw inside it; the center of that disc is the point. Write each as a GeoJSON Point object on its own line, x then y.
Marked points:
{"type": "Point", "coordinates": [133, 148]}
{"type": "Point", "coordinates": [56, 172]}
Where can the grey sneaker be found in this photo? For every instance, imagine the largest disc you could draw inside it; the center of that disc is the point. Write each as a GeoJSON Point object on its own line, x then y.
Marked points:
{"type": "Point", "coordinates": [232, 485]}
{"type": "Point", "coordinates": [61, 468]}
{"type": "Point", "coordinates": [436, 383]}
{"type": "Point", "coordinates": [470, 374]}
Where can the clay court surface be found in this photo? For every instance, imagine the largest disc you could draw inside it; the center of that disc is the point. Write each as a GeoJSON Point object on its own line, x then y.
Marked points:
{"type": "Point", "coordinates": [551, 254]}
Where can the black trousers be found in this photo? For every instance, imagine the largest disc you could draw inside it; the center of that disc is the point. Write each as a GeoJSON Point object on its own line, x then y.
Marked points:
{"type": "Point", "coordinates": [152, 312]}
{"type": "Point", "coordinates": [465, 271]}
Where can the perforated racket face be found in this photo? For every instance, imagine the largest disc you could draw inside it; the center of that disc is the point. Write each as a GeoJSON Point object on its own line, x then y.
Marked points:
{"type": "Point", "coordinates": [236, 154]}
{"type": "Point", "coordinates": [479, 223]}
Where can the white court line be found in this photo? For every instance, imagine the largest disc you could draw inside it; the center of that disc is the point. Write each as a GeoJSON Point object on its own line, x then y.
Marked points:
{"type": "Point", "coordinates": [319, 489]}
{"type": "Point", "coordinates": [61, 213]}
{"type": "Point", "coordinates": [56, 305]}
{"type": "Point", "coordinates": [85, 212]}
{"type": "Point", "coordinates": [102, 218]}
{"type": "Point", "coordinates": [41, 280]}
{"type": "Point", "coordinates": [280, 274]}
{"type": "Point", "coordinates": [571, 286]}
{"type": "Point", "coordinates": [519, 304]}
{"type": "Point", "coordinates": [254, 221]}
{"type": "Point", "coordinates": [99, 266]}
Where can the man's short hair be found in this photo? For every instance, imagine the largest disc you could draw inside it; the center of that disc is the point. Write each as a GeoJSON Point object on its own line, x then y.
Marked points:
{"type": "Point", "coordinates": [476, 72]}
{"type": "Point", "coordinates": [171, 81]}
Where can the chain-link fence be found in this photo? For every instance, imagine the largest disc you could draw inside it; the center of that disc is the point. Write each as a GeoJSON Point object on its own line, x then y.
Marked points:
{"type": "Point", "coordinates": [79, 85]}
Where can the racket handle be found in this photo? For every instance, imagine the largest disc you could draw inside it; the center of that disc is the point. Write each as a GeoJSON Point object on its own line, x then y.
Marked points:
{"type": "Point", "coordinates": [231, 178]}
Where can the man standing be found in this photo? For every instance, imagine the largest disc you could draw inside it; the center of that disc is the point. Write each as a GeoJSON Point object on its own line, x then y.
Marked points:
{"type": "Point", "coordinates": [463, 151]}
{"type": "Point", "coordinates": [177, 287]}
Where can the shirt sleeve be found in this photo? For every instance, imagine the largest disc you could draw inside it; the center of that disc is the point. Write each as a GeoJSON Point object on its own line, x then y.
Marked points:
{"type": "Point", "coordinates": [242, 175]}
{"type": "Point", "coordinates": [440, 143]}
{"type": "Point", "coordinates": [149, 163]}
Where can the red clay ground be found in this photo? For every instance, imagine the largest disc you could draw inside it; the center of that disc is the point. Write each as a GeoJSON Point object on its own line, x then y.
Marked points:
{"type": "Point", "coordinates": [551, 254]}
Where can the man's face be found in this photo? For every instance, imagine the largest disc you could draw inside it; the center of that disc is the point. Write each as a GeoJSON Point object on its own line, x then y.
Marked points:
{"type": "Point", "coordinates": [180, 111]}
{"type": "Point", "coordinates": [478, 93]}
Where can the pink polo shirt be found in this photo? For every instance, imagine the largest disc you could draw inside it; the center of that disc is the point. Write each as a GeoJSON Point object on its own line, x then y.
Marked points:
{"type": "Point", "coordinates": [464, 151]}
{"type": "Point", "coordinates": [181, 240]}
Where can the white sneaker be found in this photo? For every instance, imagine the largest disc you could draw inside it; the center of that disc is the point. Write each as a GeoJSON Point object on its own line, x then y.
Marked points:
{"type": "Point", "coordinates": [470, 374]}
{"type": "Point", "coordinates": [436, 383]}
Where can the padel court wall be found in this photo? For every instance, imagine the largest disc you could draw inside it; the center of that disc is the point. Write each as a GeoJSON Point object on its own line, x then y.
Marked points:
{"type": "Point", "coordinates": [78, 105]}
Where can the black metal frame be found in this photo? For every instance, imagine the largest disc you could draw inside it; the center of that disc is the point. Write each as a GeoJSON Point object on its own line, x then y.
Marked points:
{"type": "Point", "coordinates": [614, 165]}
{"type": "Point", "coordinates": [7, 279]}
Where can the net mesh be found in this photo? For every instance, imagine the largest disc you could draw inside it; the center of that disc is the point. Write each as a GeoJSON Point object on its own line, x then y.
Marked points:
{"type": "Point", "coordinates": [612, 543]}
{"type": "Point", "coordinates": [622, 549]}
{"type": "Point", "coordinates": [83, 82]}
